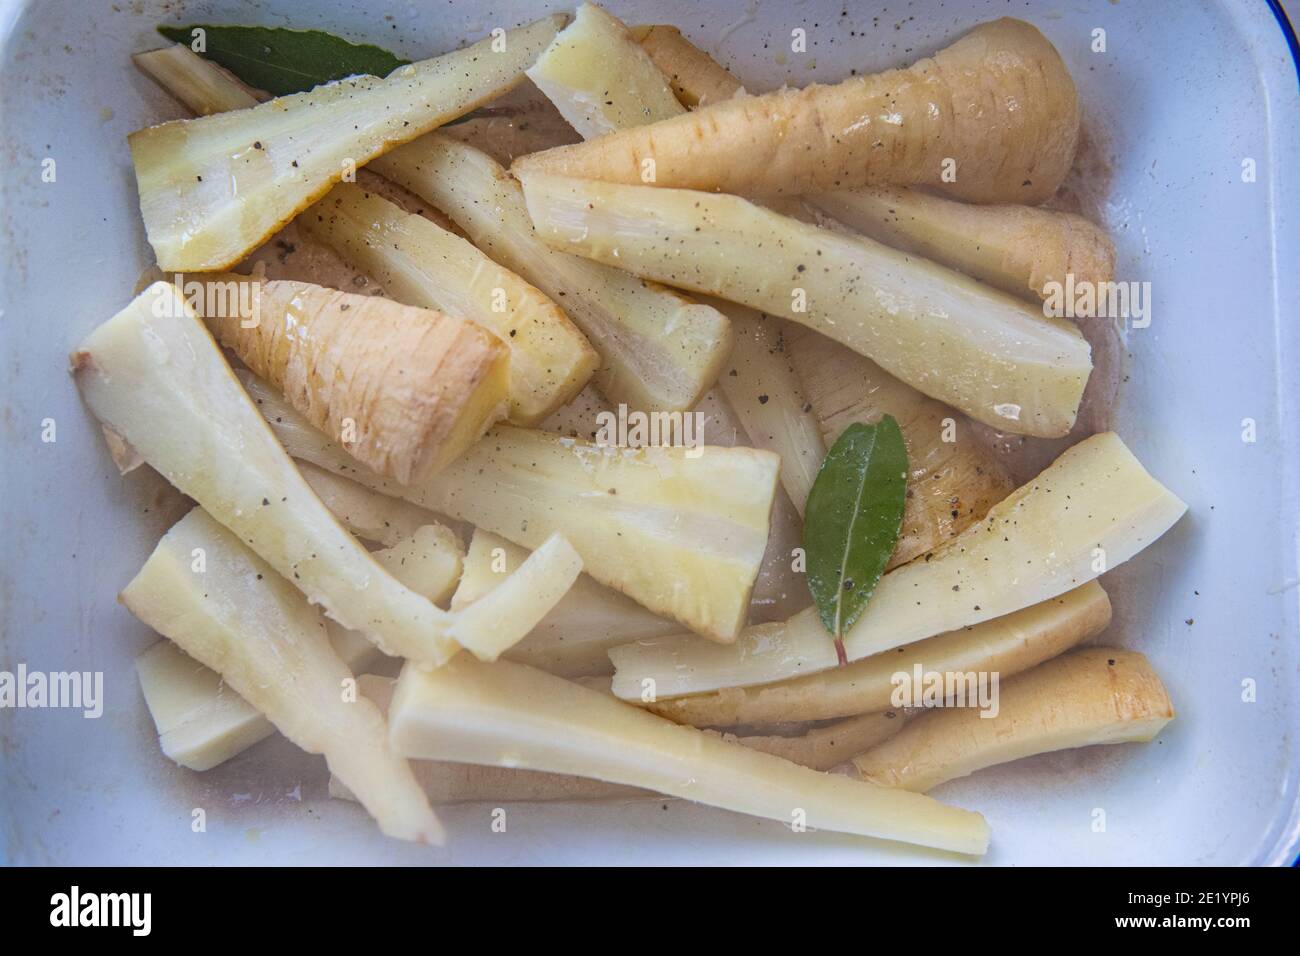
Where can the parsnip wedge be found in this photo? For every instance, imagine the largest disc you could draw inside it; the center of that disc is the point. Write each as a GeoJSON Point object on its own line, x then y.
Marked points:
{"type": "Point", "coordinates": [155, 376]}
{"type": "Point", "coordinates": [374, 517]}
{"type": "Point", "coordinates": [696, 78]}
{"type": "Point", "coordinates": [599, 77]}
{"type": "Point", "coordinates": [1007, 645]}
{"type": "Point", "coordinates": [1089, 511]}
{"type": "Point", "coordinates": [681, 531]}
{"type": "Point", "coordinates": [659, 351]}
{"type": "Point", "coordinates": [953, 479]}
{"type": "Point", "coordinates": [507, 714]}
{"type": "Point", "coordinates": [979, 350]}
{"type": "Point", "coordinates": [212, 189]}
{"type": "Point", "coordinates": [574, 638]}
{"type": "Point", "coordinates": [239, 617]}
{"type": "Point", "coordinates": [422, 264]}
{"type": "Point", "coordinates": [822, 748]}
{"type": "Point", "coordinates": [200, 84]}
{"type": "Point", "coordinates": [404, 389]}
{"type": "Point", "coordinates": [1095, 695]}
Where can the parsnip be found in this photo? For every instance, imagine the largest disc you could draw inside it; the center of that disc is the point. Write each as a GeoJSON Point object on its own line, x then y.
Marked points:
{"type": "Point", "coordinates": [239, 617]}
{"type": "Point", "coordinates": [696, 78]}
{"type": "Point", "coordinates": [200, 84]}
{"type": "Point", "coordinates": [405, 390]}
{"type": "Point", "coordinates": [1018, 249]}
{"type": "Point", "coordinates": [574, 638]}
{"type": "Point", "coordinates": [982, 351]}
{"type": "Point", "coordinates": [422, 264]}
{"type": "Point", "coordinates": [1095, 695]}
{"type": "Point", "coordinates": [214, 188]}
{"type": "Point", "coordinates": [1007, 645]}
{"type": "Point", "coordinates": [375, 517]}
{"type": "Point", "coordinates": [659, 351]}
{"type": "Point", "coordinates": [155, 376]}
{"type": "Point", "coordinates": [599, 77]}
{"type": "Point", "coordinates": [681, 531]}
{"type": "Point", "coordinates": [998, 103]}
{"type": "Point", "coordinates": [822, 748]}
{"type": "Point", "coordinates": [953, 478]}
{"type": "Point", "coordinates": [761, 387]}
{"type": "Point", "coordinates": [509, 715]}
{"type": "Point", "coordinates": [1091, 510]}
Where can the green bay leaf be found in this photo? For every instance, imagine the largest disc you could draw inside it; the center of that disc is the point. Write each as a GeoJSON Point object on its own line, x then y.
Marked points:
{"type": "Point", "coordinates": [283, 61]}
{"type": "Point", "coordinates": [852, 520]}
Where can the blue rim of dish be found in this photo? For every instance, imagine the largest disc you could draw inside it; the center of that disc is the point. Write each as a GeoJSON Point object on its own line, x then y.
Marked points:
{"type": "Point", "coordinates": [1293, 44]}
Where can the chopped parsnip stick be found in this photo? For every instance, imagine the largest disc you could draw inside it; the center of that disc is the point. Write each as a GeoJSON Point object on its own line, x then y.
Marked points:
{"type": "Point", "coordinates": [980, 350]}
{"type": "Point", "coordinates": [1016, 248]}
{"type": "Point", "coordinates": [238, 617]}
{"type": "Point", "coordinates": [574, 638]}
{"type": "Point", "coordinates": [953, 478]}
{"type": "Point", "coordinates": [422, 264]}
{"type": "Point", "coordinates": [599, 77]}
{"type": "Point", "coordinates": [507, 714]}
{"type": "Point", "coordinates": [200, 84]}
{"type": "Point", "coordinates": [1090, 511]}
{"type": "Point", "coordinates": [825, 747]}
{"type": "Point", "coordinates": [696, 78]}
{"type": "Point", "coordinates": [681, 531]}
{"type": "Point", "coordinates": [404, 389]}
{"type": "Point", "coordinates": [372, 516]}
{"type": "Point", "coordinates": [1095, 695]}
{"type": "Point", "coordinates": [762, 389]}
{"type": "Point", "coordinates": [212, 189]}
{"type": "Point", "coordinates": [659, 351]}
{"type": "Point", "coordinates": [1007, 645]}
{"type": "Point", "coordinates": [1008, 128]}
{"type": "Point", "coordinates": [447, 782]}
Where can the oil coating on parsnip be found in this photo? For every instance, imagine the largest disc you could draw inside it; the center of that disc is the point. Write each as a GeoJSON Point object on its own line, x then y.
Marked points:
{"type": "Point", "coordinates": [214, 188]}
{"type": "Point", "coordinates": [980, 350]}
{"type": "Point", "coordinates": [1090, 511]}
{"type": "Point", "coordinates": [240, 618]}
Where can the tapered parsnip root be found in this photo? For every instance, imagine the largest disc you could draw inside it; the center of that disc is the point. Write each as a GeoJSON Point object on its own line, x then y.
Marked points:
{"type": "Point", "coordinates": [574, 638]}
{"type": "Point", "coordinates": [659, 351]}
{"type": "Point", "coordinates": [599, 77]}
{"type": "Point", "coordinates": [953, 478]}
{"type": "Point", "coordinates": [1008, 645]}
{"type": "Point", "coordinates": [506, 714]}
{"type": "Point", "coordinates": [681, 531]}
{"type": "Point", "coordinates": [240, 618]}
{"type": "Point", "coordinates": [981, 351]}
{"type": "Point", "coordinates": [200, 84]}
{"type": "Point", "coordinates": [422, 264]}
{"type": "Point", "coordinates": [1019, 249]}
{"type": "Point", "coordinates": [405, 390]}
{"type": "Point", "coordinates": [696, 78]}
{"type": "Point", "coordinates": [1092, 509]}
{"type": "Point", "coordinates": [999, 102]}
{"type": "Point", "coordinates": [214, 188]}
{"type": "Point", "coordinates": [1095, 695]}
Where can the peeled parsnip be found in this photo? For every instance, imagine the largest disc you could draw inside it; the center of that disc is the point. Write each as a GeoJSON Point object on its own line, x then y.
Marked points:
{"type": "Point", "coordinates": [237, 616]}
{"type": "Point", "coordinates": [822, 748]}
{"type": "Point", "coordinates": [212, 189]}
{"type": "Point", "coordinates": [372, 516]}
{"type": "Point", "coordinates": [200, 84]}
{"type": "Point", "coordinates": [600, 78]}
{"type": "Point", "coordinates": [405, 390]}
{"type": "Point", "coordinates": [1007, 645]}
{"type": "Point", "coordinates": [953, 478]}
{"type": "Point", "coordinates": [574, 638]}
{"type": "Point", "coordinates": [422, 264]}
{"type": "Point", "coordinates": [988, 354]}
{"type": "Point", "coordinates": [509, 715]}
{"type": "Point", "coordinates": [1095, 695]}
{"type": "Point", "coordinates": [999, 104]}
{"type": "Point", "coordinates": [697, 79]}
{"type": "Point", "coordinates": [659, 351]}
{"type": "Point", "coordinates": [155, 376]}
{"type": "Point", "coordinates": [1089, 511]}
{"type": "Point", "coordinates": [682, 531]}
